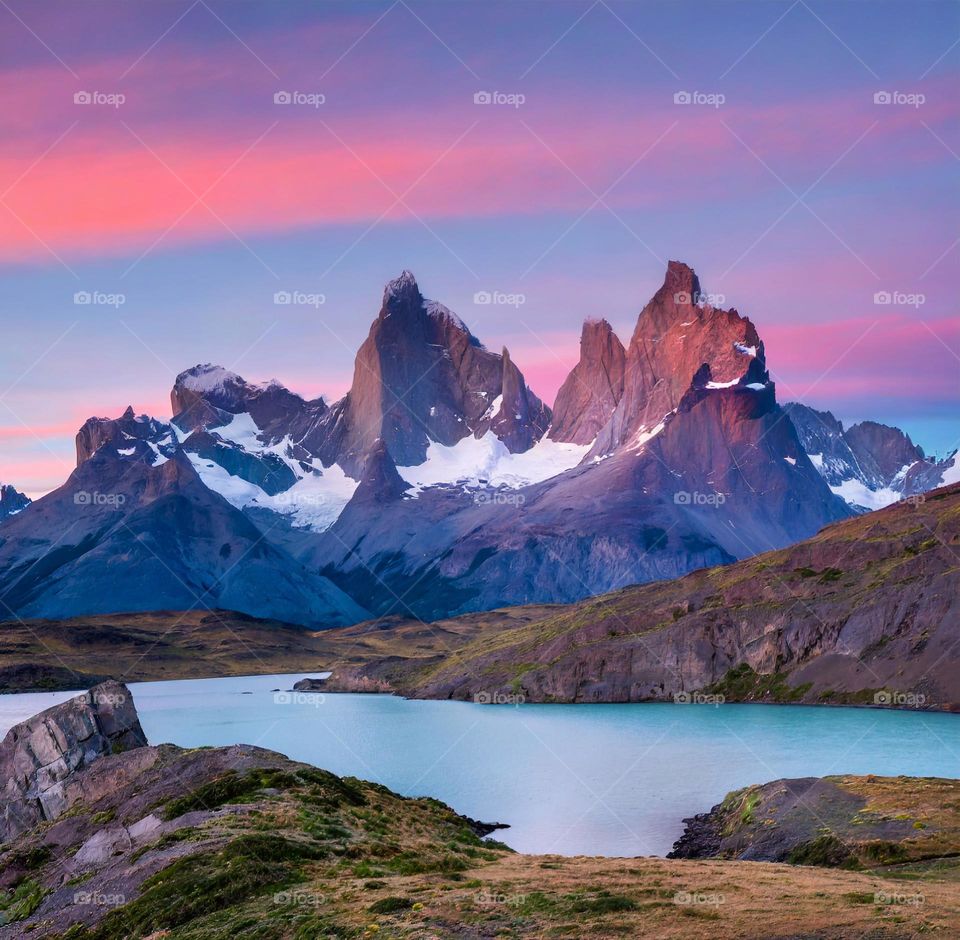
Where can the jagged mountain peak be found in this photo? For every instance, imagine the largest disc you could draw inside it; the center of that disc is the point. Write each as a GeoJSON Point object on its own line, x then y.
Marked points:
{"type": "Point", "coordinates": [12, 500]}
{"type": "Point", "coordinates": [681, 342]}
{"type": "Point", "coordinates": [402, 297]}
{"type": "Point", "coordinates": [131, 437]}
{"type": "Point", "coordinates": [404, 287]}
{"type": "Point", "coordinates": [869, 464]}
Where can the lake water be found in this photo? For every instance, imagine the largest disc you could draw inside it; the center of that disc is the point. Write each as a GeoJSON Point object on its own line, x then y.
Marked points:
{"type": "Point", "coordinates": [570, 779]}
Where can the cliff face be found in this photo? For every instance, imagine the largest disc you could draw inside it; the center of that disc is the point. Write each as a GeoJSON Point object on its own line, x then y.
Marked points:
{"type": "Point", "coordinates": [422, 376]}
{"type": "Point", "coordinates": [39, 758]}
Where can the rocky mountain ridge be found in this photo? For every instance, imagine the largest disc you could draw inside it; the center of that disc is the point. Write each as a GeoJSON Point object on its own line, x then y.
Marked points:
{"type": "Point", "coordinates": [868, 464]}
{"type": "Point", "coordinates": [11, 500]}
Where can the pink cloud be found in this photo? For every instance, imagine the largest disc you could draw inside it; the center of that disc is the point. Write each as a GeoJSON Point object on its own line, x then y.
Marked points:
{"type": "Point", "coordinates": [100, 191]}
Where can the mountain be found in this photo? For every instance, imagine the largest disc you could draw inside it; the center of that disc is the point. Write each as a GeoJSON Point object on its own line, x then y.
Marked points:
{"type": "Point", "coordinates": [690, 464]}
{"type": "Point", "coordinates": [680, 342]}
{"type": "Point", "coordinates": [440, 483]}
{"type": "Point", "coordinates": [868, 464]}
{"type": "Point", "coordinates": [865, 612]}
{"type": "Point", "coordinates": [421, 379]}
{"type": "Point", "coordinates": [11, 500]}
{"type": "Point", "coordinates": [135, 528]}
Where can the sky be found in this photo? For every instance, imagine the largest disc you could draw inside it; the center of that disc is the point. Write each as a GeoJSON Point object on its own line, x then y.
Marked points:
{"type": "Point", "coordinates": [167, 169]}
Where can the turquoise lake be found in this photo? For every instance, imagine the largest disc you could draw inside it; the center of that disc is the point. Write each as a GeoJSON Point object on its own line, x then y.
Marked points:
{"type": "Point", "coordinates": [569, 779]}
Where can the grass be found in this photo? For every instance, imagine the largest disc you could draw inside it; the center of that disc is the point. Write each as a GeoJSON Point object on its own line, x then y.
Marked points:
{"type": "Point", "coordinates": [199, 885]}
{"type": "Point", "coordinates": [743, 684]}
{"type": "Point", "coordinates": [21, 902]}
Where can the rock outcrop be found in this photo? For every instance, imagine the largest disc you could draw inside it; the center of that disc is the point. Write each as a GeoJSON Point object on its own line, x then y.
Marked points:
{"type": "Point", "coordinates": [853, 822]}
{"type": "Point", "coordinates": [40, 757]}
{"type": "Point", "coordinates": [149, 840]}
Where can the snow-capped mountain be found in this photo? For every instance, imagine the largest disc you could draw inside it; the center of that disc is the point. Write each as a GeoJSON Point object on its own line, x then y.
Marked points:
{"type": "Point", "coordinates": [11, 500]}
{"type": "Point", "coordinates": [440, 483]}
{"type": "Point", "coordinates": [135, 528]}
{"type": "Point", "coordinates": [869, 465]}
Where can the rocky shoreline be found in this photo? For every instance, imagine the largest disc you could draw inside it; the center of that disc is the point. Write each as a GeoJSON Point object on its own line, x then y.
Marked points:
{"type": "Point", "coordinates": [106, 837]}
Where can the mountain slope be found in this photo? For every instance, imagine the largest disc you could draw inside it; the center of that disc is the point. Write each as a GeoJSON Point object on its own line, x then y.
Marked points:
{"type": "Point", "coordinates": [868, 606]}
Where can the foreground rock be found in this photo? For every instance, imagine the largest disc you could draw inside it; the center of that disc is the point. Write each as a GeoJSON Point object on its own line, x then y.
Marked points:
{"type": "Point", "coordinates": [40, 758]}
{"type": "Point", "coordinates": [851, 822]}
{"type": "Point", "coordinates": [220, 843]}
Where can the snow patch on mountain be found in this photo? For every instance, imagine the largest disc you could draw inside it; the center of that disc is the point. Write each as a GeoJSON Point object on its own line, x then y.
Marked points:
{"type": "Point", "coordinates": [486, 461]}
{"type": "Point", "coordinates": [208, 378]}
{"type": "Point", "coordinates": [951, 471]}
{"type": "Point", "coordinates": [315, 501]}
{"type": "Point", "coordinates": [859, 495]}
